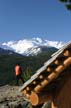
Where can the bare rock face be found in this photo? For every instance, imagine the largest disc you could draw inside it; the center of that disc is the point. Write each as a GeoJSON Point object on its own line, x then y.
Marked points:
{"type": "Point", "coordinates": [10, 97]}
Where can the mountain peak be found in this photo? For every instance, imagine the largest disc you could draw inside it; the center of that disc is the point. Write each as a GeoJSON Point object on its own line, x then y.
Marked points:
{"type": "Point", "coordinates": [30, 46]}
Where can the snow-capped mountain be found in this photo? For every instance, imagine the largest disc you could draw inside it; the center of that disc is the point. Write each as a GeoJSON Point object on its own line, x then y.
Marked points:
{"type": "Point", "coordinates": [30, 46]}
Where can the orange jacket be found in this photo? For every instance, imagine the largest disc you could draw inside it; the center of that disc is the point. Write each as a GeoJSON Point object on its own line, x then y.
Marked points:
{"type": "Point", "coordinates": [17, 70]}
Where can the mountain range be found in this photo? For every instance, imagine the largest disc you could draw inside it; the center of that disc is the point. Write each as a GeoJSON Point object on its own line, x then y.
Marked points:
{"type": "Point", "coordinates": [32, 46]}
{"type": "Point", "coordinates": [28, 52]}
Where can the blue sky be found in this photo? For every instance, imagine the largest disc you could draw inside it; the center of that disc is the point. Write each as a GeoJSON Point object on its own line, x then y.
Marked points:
{"type": "Point", "coordinates": [47, 19]}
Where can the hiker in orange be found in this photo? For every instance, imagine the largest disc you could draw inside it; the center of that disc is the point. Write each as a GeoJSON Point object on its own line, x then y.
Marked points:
{"type": "Point", "coordinates": [18, 73]}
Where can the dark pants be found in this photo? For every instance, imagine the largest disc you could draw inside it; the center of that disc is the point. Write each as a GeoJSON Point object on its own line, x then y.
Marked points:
{"type": "Point", "coordinates": [19, 77]}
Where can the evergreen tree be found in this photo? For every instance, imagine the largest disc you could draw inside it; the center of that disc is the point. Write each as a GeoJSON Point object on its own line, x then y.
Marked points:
{"type": "Point", "coordinates": [67, 3]}
{"type": "Point", "coordinates": [28, 73]}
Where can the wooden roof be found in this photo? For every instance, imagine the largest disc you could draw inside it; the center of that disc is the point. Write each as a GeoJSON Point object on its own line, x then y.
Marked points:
{"type": "Point", "coordinates": [47, 77]}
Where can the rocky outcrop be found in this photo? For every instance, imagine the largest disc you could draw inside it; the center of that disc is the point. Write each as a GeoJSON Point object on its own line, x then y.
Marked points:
{"type": "Point", "coordinates": [10, 97]}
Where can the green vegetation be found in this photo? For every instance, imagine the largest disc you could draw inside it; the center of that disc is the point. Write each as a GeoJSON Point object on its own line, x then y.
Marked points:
{"type": "Point", "coordinates": [29, 65]}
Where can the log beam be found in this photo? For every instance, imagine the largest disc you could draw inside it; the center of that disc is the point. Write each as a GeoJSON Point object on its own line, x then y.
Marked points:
{"type": "Point", "coordinates": [53, 105]}
{"type": "Point", "coordinates": [49, 69]}
{"type": "Point", "coordinates": [26, 93]}
{"type": "Point", "coordinates": [66, 53]}
{"type": "Point", "coordinates": [57, 62]}
{"type": "Point", "coordinates": [27, 88]}
{"type": "Point", "coordinates": [40, 98]}
{"type": "Point", "coordinates": [53, 75]}
{"type": "Point", "coordinates": [41, 77]}
{"type": "Point", "coordinates": [34, 82]}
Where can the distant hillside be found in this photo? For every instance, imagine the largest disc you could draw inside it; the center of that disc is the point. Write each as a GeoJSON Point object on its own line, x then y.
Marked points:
{"type": "Point", "coordinates": [4, 52]}
{"type": "Point", "coordinates": [8, 61]}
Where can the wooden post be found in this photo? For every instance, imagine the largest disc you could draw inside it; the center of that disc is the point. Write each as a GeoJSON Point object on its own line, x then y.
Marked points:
{"type": "Point", "coordinates": [63, 93]}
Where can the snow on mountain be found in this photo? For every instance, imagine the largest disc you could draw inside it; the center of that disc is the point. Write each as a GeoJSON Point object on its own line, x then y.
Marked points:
{"type": "Point", "coordinates": [5, 47]}
{"type": "Point", "coordinates": [30, 46]}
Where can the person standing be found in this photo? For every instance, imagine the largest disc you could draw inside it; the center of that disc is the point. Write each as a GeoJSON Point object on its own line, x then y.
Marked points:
{"type": "Point", "coordinates": [18, 73]}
